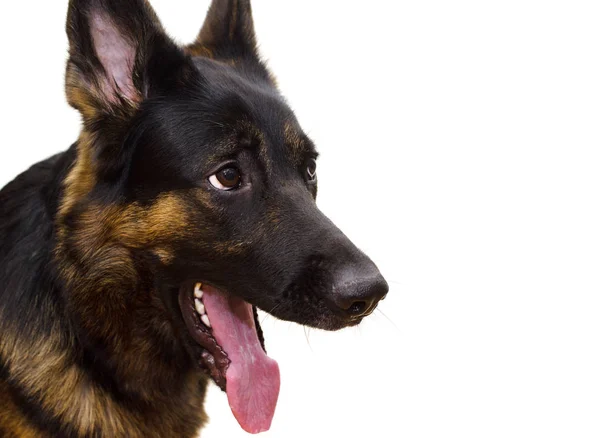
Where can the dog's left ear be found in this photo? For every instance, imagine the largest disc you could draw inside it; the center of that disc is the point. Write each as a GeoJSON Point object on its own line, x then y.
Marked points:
{"type": "Point", "coordinates": [228, 33]}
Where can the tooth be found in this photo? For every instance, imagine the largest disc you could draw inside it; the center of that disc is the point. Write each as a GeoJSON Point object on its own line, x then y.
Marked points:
{"type": "Point", "coordinates": [200, 307]}
{"type": "Point", "coordinates": [205, 320]}
{"type": "Point", "coordinates": [198, 293]}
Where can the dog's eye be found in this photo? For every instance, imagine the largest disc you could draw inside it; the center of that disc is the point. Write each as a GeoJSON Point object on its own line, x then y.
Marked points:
{"type": "Point", "coordinates": [226, 179]}
{"type": "Point", "coordinates": [311, 169]}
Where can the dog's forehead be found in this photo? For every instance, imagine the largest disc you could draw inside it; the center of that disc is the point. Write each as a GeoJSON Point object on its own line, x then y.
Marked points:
{"type": "Point", "coordinates": [239, 106]}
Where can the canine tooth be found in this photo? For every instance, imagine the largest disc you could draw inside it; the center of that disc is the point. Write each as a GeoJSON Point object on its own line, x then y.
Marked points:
{"type": "Point", "coordinates": [198, 293]}
{"type": "Point", "coordinates": [200, 307]}
{"type": "Point", "coordinates": [205, 320]}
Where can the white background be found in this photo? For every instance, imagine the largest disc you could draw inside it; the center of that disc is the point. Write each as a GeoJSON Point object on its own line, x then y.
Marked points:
{"type": "Point", "coordinates": [460, 149]}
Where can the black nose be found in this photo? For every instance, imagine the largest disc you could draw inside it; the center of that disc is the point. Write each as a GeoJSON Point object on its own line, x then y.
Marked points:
{"type": "Point", "coordinates": [358, 296]}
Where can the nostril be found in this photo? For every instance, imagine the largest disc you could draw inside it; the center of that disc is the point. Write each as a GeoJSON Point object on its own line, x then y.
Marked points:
{"type": "Point", "coordinates": [357, 308]}
{"type": "Point", "coordinates": [359, 298]}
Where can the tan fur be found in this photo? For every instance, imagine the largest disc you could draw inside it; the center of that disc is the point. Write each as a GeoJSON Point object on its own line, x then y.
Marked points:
{"type": "Point", "coordinates": [199, 50]}
{"type": "Point", "coordinates": [82, 178]}
{"type": "Point", "coordinates": [104, 285]}
{"type": "Point", "coordinates": [293, 140]}
{"type": "Point", "coordinates": [43, 369]}
{"type": "Point", "coordinates": [13, 424]}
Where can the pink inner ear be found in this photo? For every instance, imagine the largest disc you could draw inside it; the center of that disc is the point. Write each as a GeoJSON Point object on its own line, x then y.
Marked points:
{"type": "Point", "coordinates": [117, 55]}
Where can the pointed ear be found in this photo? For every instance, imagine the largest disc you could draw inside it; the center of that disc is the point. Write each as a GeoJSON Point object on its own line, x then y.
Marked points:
{"type": "Point", "coordinates": [228, 32]}
{"type": "Point", "coordinates": [119, 54]}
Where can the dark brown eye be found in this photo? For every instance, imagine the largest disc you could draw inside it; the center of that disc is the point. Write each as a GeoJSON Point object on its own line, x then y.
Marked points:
{"type": "Point", "coordinates": [311, 169]}
{"type": "Point", "coordinates": [226, 179]}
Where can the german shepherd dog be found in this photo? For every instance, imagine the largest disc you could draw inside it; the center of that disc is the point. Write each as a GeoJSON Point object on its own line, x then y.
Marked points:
{"type": "Point", "coordinates": [132, 265]}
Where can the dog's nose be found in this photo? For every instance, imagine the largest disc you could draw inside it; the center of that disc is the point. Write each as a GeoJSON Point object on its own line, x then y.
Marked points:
{"type": "Point", "coordinates": [358, 296]}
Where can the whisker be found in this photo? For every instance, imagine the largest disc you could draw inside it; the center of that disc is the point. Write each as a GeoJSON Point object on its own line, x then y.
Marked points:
{"type": "Point", "coordinates": [398, 283]}
{"type": "Point", "coordinates": [308, 338]}
{"type": "Point", "coordinates": [267, 314]}
{"type": "Point", "coordinates": [386, 317]}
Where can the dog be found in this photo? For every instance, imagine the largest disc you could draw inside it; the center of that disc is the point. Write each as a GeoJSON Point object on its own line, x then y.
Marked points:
{"type": "Point", "coordinates": [132, 265]}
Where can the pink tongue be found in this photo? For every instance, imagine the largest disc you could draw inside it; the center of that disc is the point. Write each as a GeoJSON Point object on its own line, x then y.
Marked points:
{"type": "Point", "coordinates": [252, 377]}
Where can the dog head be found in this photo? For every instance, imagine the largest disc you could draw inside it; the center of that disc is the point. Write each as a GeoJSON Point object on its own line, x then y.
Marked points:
{"type": "Point", "coordinates": [193, 171]}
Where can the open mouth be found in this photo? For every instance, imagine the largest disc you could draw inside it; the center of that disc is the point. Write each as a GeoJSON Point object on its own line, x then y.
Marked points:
{"type": "Point", "coordinates": [232, 353]}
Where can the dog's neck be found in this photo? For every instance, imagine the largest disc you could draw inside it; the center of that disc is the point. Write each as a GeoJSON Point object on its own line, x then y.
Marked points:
{"type": "Point", "coordinates": [99, 383]}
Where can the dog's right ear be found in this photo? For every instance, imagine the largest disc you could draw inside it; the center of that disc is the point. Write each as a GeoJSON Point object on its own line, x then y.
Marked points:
{"type": "Point", "coordinates": [119, 55]}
